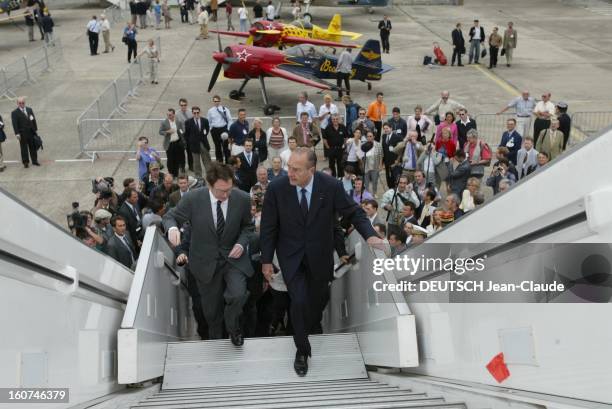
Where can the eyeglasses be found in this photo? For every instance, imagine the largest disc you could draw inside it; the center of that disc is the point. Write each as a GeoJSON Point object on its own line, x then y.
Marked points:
{"type": "Point", "coordinates": [195, 112]}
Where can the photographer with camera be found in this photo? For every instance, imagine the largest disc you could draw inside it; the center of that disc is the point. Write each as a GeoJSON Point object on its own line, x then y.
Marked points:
{"type": "Point", "coordinates": [106, 198]}
{"type": "Point", "coordinates": [81, 226]}
{"type": "Point", "coordinates": [145, 156]}
{"type": "Point", "coordinates": [500, 171]}
{"type": "Point", "coordinates": [394, 200]}
{"type": "Point", "coordinates": [429, 163]}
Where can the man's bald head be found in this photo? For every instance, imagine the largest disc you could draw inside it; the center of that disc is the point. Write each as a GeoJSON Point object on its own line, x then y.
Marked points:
{"type": "Point", "coordinates": [445, 94]}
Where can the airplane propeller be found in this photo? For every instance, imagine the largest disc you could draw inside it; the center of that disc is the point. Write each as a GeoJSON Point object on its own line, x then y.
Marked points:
{"type": "Point", "coordinates": [224, 58]}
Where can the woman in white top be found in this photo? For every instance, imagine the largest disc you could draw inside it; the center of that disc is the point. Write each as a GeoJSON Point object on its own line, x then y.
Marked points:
{"type": "Point", "coordinates": [351, 148]}
{"type": "Point", "coordinates": [277, 138]}
{"type": "Point", "coordinates": [153, 60]}
{"type": "Point", "coordinates": [467, 198]}
{"type": "Point", "coordinates": [244, 19]}
{"type": "Point", "coordinates": [436, 223]}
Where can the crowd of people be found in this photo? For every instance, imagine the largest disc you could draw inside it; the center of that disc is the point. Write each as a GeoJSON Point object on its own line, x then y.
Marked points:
{"type": "Point", "coordinates": [435, 166]}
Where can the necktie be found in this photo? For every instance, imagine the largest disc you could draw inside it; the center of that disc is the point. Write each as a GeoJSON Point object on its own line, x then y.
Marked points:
{"type": "Point", "coordinates": [124, 240]}
{"type": "Point", "coordinates": [304, 203]}
{"type": "Point", "coordinates": [198, 123]}
{"type": "Point", "coordinates": [220, 219]}
{"type": "Point", "coordinates": [249, 158]}
{"type": "Point", "coordinates": [412, 156]}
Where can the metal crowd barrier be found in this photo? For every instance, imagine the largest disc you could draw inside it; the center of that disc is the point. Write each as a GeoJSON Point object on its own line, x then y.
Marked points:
{"type": "Point", "coordinates": [27, 68]}
{"type": "Point", "coordinates": [92, 124]}
{"type": "Point", "coordinates": [118, 13]}
{"type": "Point", "coordinates": [590, 123]}
{"type": "Point", "coordinates": [119, 135]}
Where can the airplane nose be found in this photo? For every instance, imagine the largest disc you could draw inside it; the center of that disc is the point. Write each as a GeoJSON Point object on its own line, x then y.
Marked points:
{"type": "Point", "coordinates": [219, 57]}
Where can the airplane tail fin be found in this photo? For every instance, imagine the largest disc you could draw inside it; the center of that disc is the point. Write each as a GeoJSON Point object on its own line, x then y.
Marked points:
{"type": "Point", "coordinates": [370, 54]}
{"type": "Point", "coordinates": [335, 25]}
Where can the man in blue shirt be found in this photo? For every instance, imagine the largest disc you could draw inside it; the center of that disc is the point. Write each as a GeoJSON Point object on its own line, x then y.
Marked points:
{"type": "Point", "coordinates": [238, 132]}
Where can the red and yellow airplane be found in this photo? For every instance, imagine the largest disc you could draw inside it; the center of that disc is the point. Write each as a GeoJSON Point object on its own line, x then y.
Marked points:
{"type": "Point", "coordinates": [275, 34]}
{"type": "Point", "coordinates": [249, 62]}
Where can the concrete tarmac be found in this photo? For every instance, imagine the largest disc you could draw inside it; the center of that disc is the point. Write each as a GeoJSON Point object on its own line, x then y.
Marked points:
{"type": "Point", "coordinates": [563, 47]}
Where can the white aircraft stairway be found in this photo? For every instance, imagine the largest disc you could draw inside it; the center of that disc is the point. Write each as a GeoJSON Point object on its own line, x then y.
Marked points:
{"type": "Point", "coordinates": [216, 374]}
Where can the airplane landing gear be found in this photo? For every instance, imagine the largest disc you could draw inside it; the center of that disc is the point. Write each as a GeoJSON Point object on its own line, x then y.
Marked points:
{"type": "Point", "coordinates": [237, 93]}
{"type": "Point", "coordinates": [268, 109]}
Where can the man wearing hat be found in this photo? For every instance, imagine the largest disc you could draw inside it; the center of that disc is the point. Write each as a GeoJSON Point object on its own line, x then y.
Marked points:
{"type": "Point", "coordinates": [102, 227]}
{"type": "Point", "coordinates": [565, 122]}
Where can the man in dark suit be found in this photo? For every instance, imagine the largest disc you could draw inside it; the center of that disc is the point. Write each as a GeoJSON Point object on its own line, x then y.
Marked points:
{"type": "Point", "coordinates": [120, 245]}
{"type": "Point", "coordinates": [132, 214]}
{"type": "Point", "coordinates": [24, 125]}
{"type": "Point", "coordinates": [249, 161]}
{"type": "Point", "coordinates": [298, 219]}
{"type": "Point", "coordinates": [464, 124]}
{"type": "Point", "coordinates": [196, 134]}
{"type": "Point", "coordinates": [458, 45]}
{"type": "Point", "coordinates": [221, 226]}
{"type": "Point", "coordinates": [389, 141]}
{"type": "Point", "coordinates": [512, 140]}
{"type": "Point", "coordinates": [458, 173]}
{"type": "Point", "coordinates": [384, 26]}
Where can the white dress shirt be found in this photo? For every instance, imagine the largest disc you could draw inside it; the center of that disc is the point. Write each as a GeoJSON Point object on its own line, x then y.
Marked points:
{"type": "Point", "coordinates": [213, 205]}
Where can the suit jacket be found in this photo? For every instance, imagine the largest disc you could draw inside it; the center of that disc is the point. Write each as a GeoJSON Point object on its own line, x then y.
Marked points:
{"type": "Point", "coordinates": [24, 125]}
{"type": "Point", "coordinates": [133, 226]}
{"type": "Point", "coordinates": [248, 173]}
{"type": "Point", "coordinates": [552, 146]}
{"type": "Point", "coordinates": [2, 133]}
{"type": "Point", "coordinates": [175, 198]}
{"type": "Point", "coordinates": [473, 31]}
{"type": "Point", "coordinates": [117, 250]}
{"type": "Point", "coordinates": [283, 228]}
{"type": "Point", "coordinates": [388, 145]}
{"type": "Point", "coordinates": [458, 40]}
{"type": "Point", "coordinates": [315, 135]}
{"type": "Point", "coordinates": [510, 38]}
{"type": "Point", "coordinates": [384, 27]}
{"type": "Point", "coordinates": [165, 126]}
{"type": "Point", "coordinates": [194, 137]}
{"type": "Point", "coordinates": [206, 248]}
{"type": "Point", "coordinates": [526, 160]}
{"type": "Point", "coordinates": [513, 143]}
{"type": "Point", "coordinates": [458, 176]}
{"type": "Point", "coordinates": [463, 129]}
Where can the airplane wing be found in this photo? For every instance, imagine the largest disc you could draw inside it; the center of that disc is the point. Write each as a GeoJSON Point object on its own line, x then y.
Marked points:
{"type": "Point", "coordinates": [354, 36]}
{"type": "Point", "coordinates": [231, 33]}
{"type": "Point", "coordinates": [324, 43]}
{"type": "Point", "coordinates": [275, 71]}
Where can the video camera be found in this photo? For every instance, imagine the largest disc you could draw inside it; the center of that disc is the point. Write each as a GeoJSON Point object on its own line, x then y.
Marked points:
{"type": "Point", "coordinates": [102, 185]}
{"type": "Point", "coordinates": [76, 221]}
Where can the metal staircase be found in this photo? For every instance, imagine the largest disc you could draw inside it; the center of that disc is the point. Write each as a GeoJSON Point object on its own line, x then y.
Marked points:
{"type": "Point", "coordinates": [216, 374]}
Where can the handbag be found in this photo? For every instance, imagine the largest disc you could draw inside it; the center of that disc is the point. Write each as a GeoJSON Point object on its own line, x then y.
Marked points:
{"type": "Point", "coordinates": [483, 53]}
{"type": "Point", "coordinates": [503, 52]}
{"type": "Point", "coordinates": [124, 39]}
{"type": "Point", "coordinates": [38, 143]}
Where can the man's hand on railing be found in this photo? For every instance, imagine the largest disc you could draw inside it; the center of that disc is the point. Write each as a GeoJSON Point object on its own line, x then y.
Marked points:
{"type": "Point", "coordinates": [377, 243]}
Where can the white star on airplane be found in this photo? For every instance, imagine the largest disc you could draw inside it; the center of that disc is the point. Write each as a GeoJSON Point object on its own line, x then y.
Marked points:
{"type": "Point", "coordinates": [243, 55]}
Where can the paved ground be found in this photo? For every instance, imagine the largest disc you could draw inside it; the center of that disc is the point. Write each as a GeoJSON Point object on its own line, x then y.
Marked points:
{"type": "Point", "coordinates": [564, 46]}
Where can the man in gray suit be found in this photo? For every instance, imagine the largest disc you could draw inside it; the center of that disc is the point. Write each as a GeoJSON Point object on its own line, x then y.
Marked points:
{"type": "Point", "coordinates": [220, 218]}
{"type": "Point", "coordinates": [526, 157]}
{"type": "Point", "coordinates": [174, 143]}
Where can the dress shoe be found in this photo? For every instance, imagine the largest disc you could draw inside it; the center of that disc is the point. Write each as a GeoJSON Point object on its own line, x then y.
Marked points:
{"type": "Point", "coordinates": [35, 163]}
{"type": "Point", "coordinates": [459, 65]}
{"type": "Point", "coordinates": [300, 364]}
{"type": "Point", "coordinates": [26, 165]}
{"type": "Point", "coordinates": [2, 168]}
{"type": "Point", "coordinates": [237, 339]}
